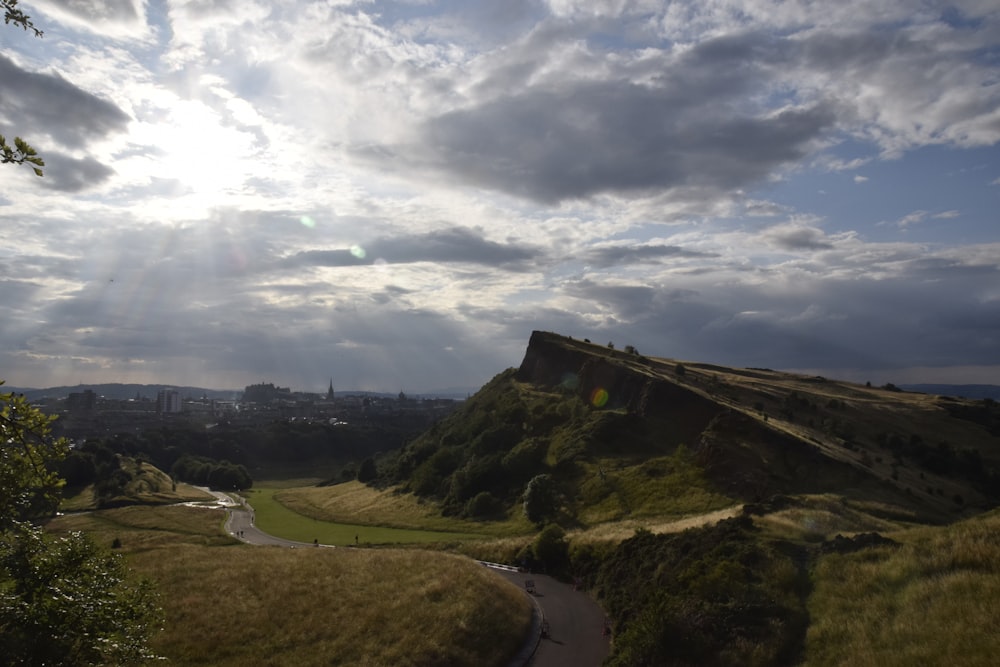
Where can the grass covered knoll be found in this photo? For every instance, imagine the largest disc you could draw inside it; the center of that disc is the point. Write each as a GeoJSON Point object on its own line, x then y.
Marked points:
{"type": "Point", "coordinates": [146, 484]}
{"type": "Point", "coordinates": [230, 604]}
{"type": "Point", "coordinates": [932, 600]}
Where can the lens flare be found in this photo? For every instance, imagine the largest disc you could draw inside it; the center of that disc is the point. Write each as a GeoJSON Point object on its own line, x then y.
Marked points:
{"type": "Point", "coordinates": [358, 251]}
{"type": "Point", "coordinates": [307, 222]}
{"type": "Point", "coordinates": [569, 381]}
{"type": "Point", "coordinates": [599, 397]}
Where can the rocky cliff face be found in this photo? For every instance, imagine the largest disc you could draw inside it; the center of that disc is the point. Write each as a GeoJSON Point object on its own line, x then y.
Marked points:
{"type": "Point", "coordinates": [641, 386]}
{"type": "Point", "coordinates": [743, 455]}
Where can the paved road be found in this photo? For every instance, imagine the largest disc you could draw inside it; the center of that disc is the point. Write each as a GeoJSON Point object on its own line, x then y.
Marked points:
{"type": "Point", "coordinates": [574, 621]}
{"type": "Point", "coordinates": [575, 637]}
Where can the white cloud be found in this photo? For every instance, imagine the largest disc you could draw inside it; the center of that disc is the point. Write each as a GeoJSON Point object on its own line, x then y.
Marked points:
{"type": "Point", "coordinates": [622, 169]}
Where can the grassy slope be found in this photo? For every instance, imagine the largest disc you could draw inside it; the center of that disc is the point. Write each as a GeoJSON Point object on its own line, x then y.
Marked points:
{"type": "Point", "coordinates": [934, 600]}
{"type": "Point", "coordinates": [228, 604]}
{"type": "Point", "coordinates": [149, 486]}
{"type": "Point", "coordinates": [303, 523]}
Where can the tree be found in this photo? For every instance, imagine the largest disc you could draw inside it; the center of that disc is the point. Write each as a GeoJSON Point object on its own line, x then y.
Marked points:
{"type": "Point", "coordinates": [551, 548]}
{"type": "Point", "coordinates": [540, 498]}
{"type": "Point", "coordinates": [11, 14]}
{"type": "Point", "coordinates": [21, 152]}
{"type": "Point", "coordinates": [62, 600]}
{"type": "Point", "coordinates": [367, 471]}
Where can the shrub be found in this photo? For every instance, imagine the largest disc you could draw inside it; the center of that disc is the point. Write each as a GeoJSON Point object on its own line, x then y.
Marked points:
{"type": "Point", "coordinates": [551, 550]}
{"type": "Point", "coordinates": [484, 505]}
{"type": "Point", "coordinates": [540, 499]}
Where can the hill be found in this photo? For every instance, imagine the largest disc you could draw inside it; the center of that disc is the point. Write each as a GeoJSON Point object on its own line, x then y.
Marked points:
{"type": "Point", "coordinates": [625, 435]}
{"type": "Point", "coordinates": [816, 482]}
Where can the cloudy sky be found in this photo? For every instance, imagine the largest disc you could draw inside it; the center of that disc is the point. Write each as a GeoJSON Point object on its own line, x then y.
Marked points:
{"type": "Point", "coordinates": [395, 194]}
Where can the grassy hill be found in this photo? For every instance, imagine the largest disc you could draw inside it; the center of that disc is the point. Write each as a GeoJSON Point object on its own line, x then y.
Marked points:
{"type": "Point", "coordinates": [816, 481]}
{"type": "Point", "coordinates": [141, 484]}
{"type": "Point", "coordinates": [629, 436]}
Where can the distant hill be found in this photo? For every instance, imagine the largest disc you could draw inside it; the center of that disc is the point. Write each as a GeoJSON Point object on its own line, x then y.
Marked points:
{"type": "Point", "coordinates": [974, 391]}
{"type": "Point", "coordinates": [119, 391]}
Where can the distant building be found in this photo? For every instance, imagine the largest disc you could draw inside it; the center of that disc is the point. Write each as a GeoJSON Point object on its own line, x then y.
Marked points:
{"type": "Point", "coordinates": [329, 392]}
{"type": "Point", "coordinates": [168, 401]}
{"type": "Point", "coordinates": [81, 402]}
{"type": "Point", "coordinates": [262, 394]}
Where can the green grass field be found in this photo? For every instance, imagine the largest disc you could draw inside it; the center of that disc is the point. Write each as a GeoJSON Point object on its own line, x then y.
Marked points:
{"type": "Point", "coordinates": [275, 518]}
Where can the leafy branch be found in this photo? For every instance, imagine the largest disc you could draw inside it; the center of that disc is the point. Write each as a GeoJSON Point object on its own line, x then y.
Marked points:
{"type": "Point", "coordinates": [21, 152]}
{"type": "Point", "coordinates": [11, 14]}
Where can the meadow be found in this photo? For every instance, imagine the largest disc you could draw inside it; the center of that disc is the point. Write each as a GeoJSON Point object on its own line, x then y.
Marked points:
{"type": "Point", "coordinates": [932, 600]}
{"type": "Point", "coordinates": [226, 603]}
{"type": "Point", "coordinates": [276, 518]}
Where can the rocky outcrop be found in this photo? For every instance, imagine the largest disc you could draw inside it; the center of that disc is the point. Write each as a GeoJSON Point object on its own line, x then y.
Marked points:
{"type": "Point", "coordinates": [744, 456]}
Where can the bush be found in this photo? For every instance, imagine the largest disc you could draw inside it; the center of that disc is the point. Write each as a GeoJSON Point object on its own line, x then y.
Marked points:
{"type": "Point", "coordinates": [484, 505]}
{"type": "Point", "coordinates": [540, 499]}
{"type": "Point", "coordinates": [551, 550]}
{"type": "Point", "coordinates": [367, 471]}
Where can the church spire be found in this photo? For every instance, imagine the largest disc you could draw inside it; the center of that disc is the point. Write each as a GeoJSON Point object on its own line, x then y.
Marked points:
{"type": "Point", "coordinates": [329, 392]}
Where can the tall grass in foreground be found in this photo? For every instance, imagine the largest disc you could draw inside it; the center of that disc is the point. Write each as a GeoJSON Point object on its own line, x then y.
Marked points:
{"type": "Point", "coordinates": [934, 600]}
{"type": "Point", "coordinates": [231, 604]}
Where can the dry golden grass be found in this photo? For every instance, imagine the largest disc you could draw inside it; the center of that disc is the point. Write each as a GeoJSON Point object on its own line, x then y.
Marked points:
{"type": "Point", "coordinates": [935, 600]}
{"type": "Point", "coordinates": [822, 516]}
{"type": "Point", "coordinates": [231, 604]}
{"type": "Point", "coordinates": [617, 531]}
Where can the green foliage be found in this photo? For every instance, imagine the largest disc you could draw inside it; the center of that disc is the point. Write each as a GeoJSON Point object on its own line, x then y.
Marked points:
{"type": "Point", "coordinates": [367, 471]}
{"type": "Point", "coordinates": [540, 499]}
{"type": "Point", "coordinates": [11, 14]}
{"type": "Point", "coordinates": [20, 153]}
{"type": "Point", "coordinates": [29, 485]}
{"type": "Point", "coordinates": [551, 550]}
{"type": "Point", "coordinates": [64, 601]}
{"type": "Point", "coordinates": [715, 595]}
{"type": "Point", "coordinates": [221, 475]}
{"type": "Point", "coordinates": [484, 505]}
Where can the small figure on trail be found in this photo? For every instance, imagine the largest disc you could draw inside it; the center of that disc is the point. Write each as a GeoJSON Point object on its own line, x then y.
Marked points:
{"type": "Point", "coordinates": [355, 540]}
{"type": "Point", "coordinates": [315, 542]}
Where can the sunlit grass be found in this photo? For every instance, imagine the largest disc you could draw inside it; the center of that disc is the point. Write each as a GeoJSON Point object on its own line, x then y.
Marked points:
{"type": "Point", "coordinates": [232, 604]}
{"type": "Point", "coordinates": [356, 503]}
{"type": "Point", "coordinates": [934, 600]}
{"type": "Point", "coordinates": [274, 517]}
{"type": "Point", "coordinates": [666, 487]}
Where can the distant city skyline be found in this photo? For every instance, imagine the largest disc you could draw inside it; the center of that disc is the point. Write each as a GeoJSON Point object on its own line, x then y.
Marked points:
{"type": "Point", "coordinates": [397, 194]}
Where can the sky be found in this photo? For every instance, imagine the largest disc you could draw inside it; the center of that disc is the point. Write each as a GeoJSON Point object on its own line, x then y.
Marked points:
{"type": "Point", "coordinates": [394, 195]}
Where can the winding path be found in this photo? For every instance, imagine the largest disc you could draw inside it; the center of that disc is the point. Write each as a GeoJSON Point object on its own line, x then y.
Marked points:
{"type": "Point", "coordinates": [574, 622]}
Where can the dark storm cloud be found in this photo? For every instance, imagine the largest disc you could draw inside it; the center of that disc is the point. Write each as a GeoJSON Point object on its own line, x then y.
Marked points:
{"type": "Point", "coordinates": [624, 255]}
{"type": "Point", "coordinates": [797, 237]}
{"type": "Point", "coordinates": [909, 320]}
{"type": "Point", "coordinates": [613, 137]}
{"type": "Point", "coordinates": [448, 246]}
{"type": "Point", "coordinates": [691, 123]}
{"type": "Point", "coordinates": [72, 174]}
{"type": "Point", "coordinates": [34, 103]}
